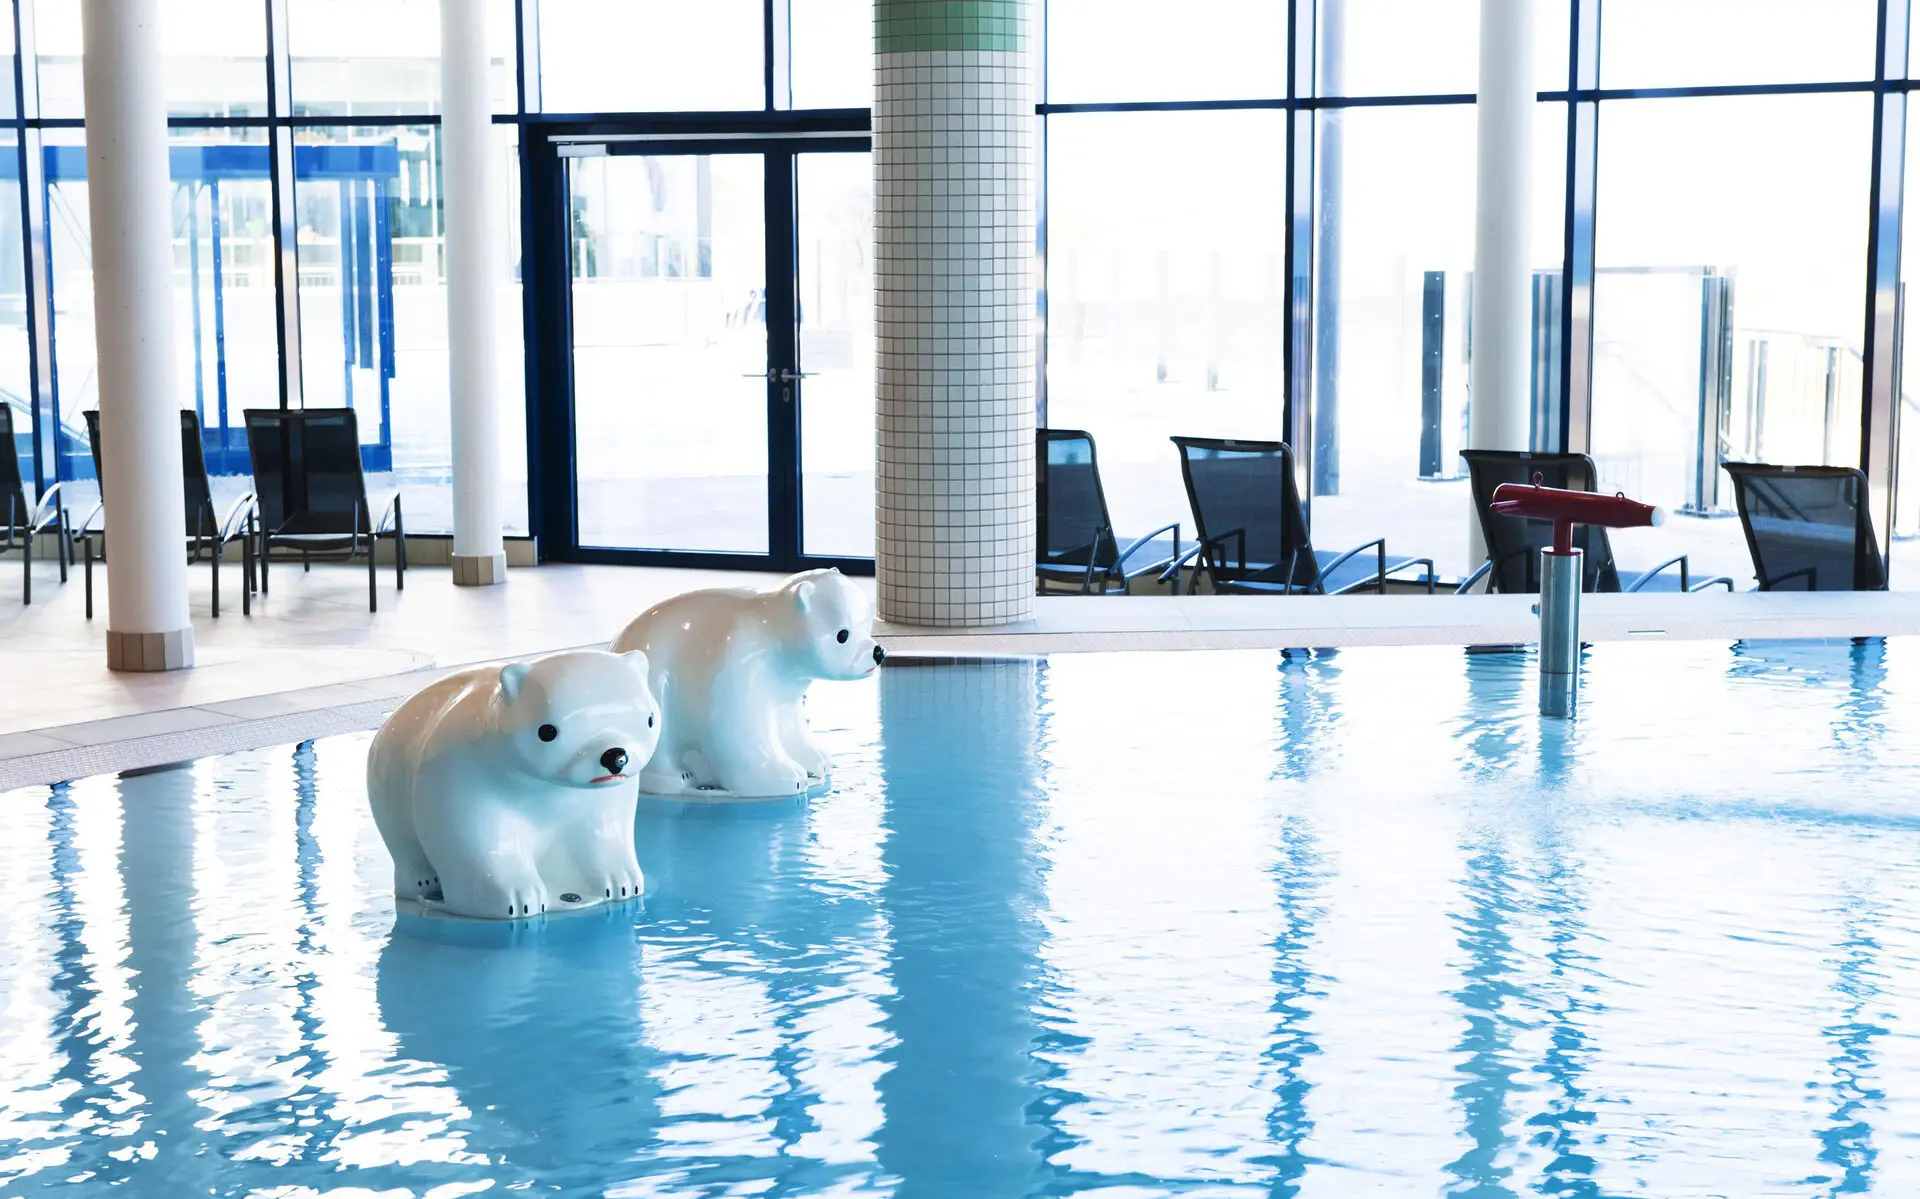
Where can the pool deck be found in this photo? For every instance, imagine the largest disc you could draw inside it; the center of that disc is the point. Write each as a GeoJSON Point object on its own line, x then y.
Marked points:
{"type": "Point", "coordinates": [311, 661]}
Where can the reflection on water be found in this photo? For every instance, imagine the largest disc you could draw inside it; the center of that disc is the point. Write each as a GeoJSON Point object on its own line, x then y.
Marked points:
{"type": "Point", "coordinates": [1124, 925]}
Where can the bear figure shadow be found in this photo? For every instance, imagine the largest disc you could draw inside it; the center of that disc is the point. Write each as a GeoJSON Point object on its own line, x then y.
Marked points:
{"type": "Point", "coordinates": [538, 1027]}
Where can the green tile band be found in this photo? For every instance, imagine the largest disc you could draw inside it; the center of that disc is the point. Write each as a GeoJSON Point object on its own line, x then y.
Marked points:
{"type": "Point", "coordinates": [904, 26]}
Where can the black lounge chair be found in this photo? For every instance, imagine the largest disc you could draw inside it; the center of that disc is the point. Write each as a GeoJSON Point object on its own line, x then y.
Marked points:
{"type": "Point", "coordinates": [313, 493]}
{"type": "Point", "coordinates": [208, 534]}
{"type": "Point", "coordinates": [1253, 529]}
{"type": "Point", "coordinates": [1514, 543]}
{"type": "Point", "coordinates": [1807, 527]}
{"type": "Point", "coordinates": [1078, 550]}
{"type": "Point", "coordinates": [24, 521]}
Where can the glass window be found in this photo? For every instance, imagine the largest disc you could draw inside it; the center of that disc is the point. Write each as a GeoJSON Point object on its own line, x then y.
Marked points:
{"type": "Point", "coordinates": [1693, 43]}
{"type": "Point", "coordinates": [1906, 497]}
{"type": "Point", "coordinates": [1424, 47]}
{"type": "Point", "coordinates": [832, 54]}
{"type": "Point", "coordinates": [1107, 50]}
{"type": "Point", "coordinates": [652, 55]}
{"type": "Point", "coordinates": [226, 353]}
{"type": "Point", "coordinates": [1165, 292]}
{"type": "Point", "coordinates": [833, 211]}
{"type": "Point", "coordinates": [16, 382]}
{"type": "Point", "coordinates": [373, 308]}
{"type": "Point", "coordinates": [216, 57]}
{"type": "Point", "coordinates": [1728, 304]}
{"type": "Point", "coordinates": [1394, 256]}
{"type": "Point", "coordinates": [339, 69]}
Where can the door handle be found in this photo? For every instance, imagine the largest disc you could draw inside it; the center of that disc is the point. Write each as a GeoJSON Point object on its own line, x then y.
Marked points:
{"type": "Point", "coordinates": [780, 374]}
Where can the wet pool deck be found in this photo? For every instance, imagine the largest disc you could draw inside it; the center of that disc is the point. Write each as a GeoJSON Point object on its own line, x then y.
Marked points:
{"type": "Point", "coordinates": [312, 661]}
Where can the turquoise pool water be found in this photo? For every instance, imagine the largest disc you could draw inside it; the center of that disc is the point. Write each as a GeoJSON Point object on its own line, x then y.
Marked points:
{"type": "Point", "coordinates": [1115, 925]}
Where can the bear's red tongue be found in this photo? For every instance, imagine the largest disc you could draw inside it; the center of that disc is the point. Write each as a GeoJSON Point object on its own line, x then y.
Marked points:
{"type": "Point", "coordinates": [608, 778]}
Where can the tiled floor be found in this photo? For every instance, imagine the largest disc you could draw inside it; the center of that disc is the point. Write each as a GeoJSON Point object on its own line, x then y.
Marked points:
{"type": "Point", "coordinates": [312, 660]}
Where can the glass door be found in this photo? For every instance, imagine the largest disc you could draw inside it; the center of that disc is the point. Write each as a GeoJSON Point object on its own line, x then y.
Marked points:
{"type": "Point", "coordinates": [718, 326]}
{"type": "Point", "coordinates": [669, 283]}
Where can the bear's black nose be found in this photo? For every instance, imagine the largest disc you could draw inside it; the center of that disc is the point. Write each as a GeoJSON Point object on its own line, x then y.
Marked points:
{"type": "Point", "coordinates": [879, 655]}
{"type": "Point", "coordinates": [615, 760]}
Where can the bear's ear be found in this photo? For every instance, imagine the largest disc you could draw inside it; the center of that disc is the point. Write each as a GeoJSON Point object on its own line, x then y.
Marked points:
{"type": "Point", "coordinates": [803, 595]}
{"type": "Point", "coordinates": [637, 658]}
{"type": "Point", "coordinates": [511, 676]}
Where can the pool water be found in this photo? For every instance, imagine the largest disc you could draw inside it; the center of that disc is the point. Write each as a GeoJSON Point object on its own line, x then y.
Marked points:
{"type": "Point", "coordinates": [1118, 925]}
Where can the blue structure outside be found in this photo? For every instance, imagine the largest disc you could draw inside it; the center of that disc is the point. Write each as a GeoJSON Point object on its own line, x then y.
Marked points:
{"type": "Point", "coordinates": [363, 174]}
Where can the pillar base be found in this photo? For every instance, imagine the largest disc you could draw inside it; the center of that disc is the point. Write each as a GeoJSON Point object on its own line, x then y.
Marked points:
{"type": "Point", "coordinates": [150, 651]}
{"type": "Point", "coordinates": [480, 570]}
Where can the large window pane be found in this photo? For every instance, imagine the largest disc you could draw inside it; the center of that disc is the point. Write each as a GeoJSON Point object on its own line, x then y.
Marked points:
{"type": "Point", "coordinates": [16, 385]}
{"type": "Point", "coordinates": [1165, 292]}
{"type": "Point", "coordinates": [832, 53]}
{"type": "Point", "coordinates": [1100, 50]}
{"type": "Point", "coordinates": [1424, 47]}
{"type": "Point", "coordinates": [1906, 496]}
{"type": "Point", "coordinates": [373, 308]}
{"type": "Point", "coordinates": [226, 356]}
{"type": "Point", "coordinates": [216, 54]}
{"type": "Point", "coordinates": [652, 55]}
{"type": "Point", "coordinates": [670, 351]}
{"type": "Point", "coordinates": [1394, 256]}
{"type": "Point", "coordinates": [1729, 303]}
{"type": "Point", "coordinates": [1692, 43]}
{"type": "Point", "coordinates": [834, 213]}
{"type": "Point", "coordinates": [382, 57]}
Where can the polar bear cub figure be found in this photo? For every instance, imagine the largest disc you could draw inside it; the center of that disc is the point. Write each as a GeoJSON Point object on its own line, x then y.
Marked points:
{"type": "Point", "coordinates": [730, 668]}
{"type": "Point", "coordinates": [503, 790]}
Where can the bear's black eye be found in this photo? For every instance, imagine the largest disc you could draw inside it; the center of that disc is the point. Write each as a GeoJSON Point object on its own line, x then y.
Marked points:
{"type": "Point", "coordinates": [841, 636]}
{"type": "Point", "coordinates": [548, 732]}
{"type": "Point", "coordinates": [649, 722]}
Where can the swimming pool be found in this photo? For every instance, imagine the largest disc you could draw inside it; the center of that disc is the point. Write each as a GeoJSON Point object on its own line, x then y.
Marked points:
{"type": "Point", "coordinates": [1126, 925]}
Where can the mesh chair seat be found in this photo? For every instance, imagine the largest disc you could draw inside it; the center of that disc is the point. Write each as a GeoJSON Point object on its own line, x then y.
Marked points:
{"type": "Point", "coordinates": [1078, 548]}
{"type": "Point", "coordinates": [208, 532]}
{"type": "Point", "coordinates": [1253, 527]}
{"type": "Point", "coordinates": [22, 522]}
{"type": "Point", "coordinates": [1807, 527]}
{"type": "Point", "coordinates": [312, 492]}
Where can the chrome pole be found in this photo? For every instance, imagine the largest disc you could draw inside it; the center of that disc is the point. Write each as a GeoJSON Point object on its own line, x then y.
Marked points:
{"type": "Point", "coordinates": [1559, 632]}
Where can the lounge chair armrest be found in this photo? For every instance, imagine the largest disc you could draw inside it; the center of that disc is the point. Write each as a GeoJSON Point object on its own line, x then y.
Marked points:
{"type": "Point", "coordinates": [242, 508]}
{"type": "Point", "coordinates": [1397, 567]}
{"type": "Point", "coordinates": [1648, 577]}
{"type": "Point", "coordinates": [1180, 560]}
{"type": "Point", "coordinates": [1140, 543]}
{"type": "Point", "coordinates": [1479, 572]}
{"type": "Point", "coordinates": [85, 527]}
{"type": "Point", "coordinates": [1378, 545]}
{"type": "Point", "coordinates": [43, 510]}
{"type": "Point", "coordinates": [1717, 581]}
{"type": "Point", "coordinates": [387, 514]}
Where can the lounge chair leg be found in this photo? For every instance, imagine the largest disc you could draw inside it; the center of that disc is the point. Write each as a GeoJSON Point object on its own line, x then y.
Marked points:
{"type": "Point", "coordinates": [89, 555]}
{"type": "Point", "coordinates": [399, 547]}
{"type": "Point", "coordinates": [26, 558]}
{"type": "Point", "coordinates": [216, 580]}
{"type": "Point", "coordinates": [246, 572]}
{"type": "Point", "coordinates": [261, 559]}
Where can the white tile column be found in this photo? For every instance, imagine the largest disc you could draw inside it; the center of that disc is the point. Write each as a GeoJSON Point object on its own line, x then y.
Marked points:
{"type": "Point", "coordinates": [954, 171]}
{"type": "Point", "coordinates": [1500, 371]}
{"type": "Point", "coordinates": [466, 137]}
{"type": "Point", "coordinates": [130, 206]}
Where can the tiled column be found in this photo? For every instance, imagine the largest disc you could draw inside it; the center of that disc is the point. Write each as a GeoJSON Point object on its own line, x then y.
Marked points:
{"type": "Point", "coordinates": [954, 168]}
{"type": "Point", "coordinates": [129, 211]}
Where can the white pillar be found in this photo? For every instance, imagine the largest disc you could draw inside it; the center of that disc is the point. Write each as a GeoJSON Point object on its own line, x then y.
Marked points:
{"type": "Point", "coordinates": [954, 173]}
{"type": "Point", "coordinates": [466, 136]}
{"type": "Point", "coordinates": [129, 198]}
{"type": "Point", "coordinates": [1500, 374]}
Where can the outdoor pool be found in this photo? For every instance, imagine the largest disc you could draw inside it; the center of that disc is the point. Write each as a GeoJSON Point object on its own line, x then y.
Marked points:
{"type": "Point", "coordinates": [1112, 924]}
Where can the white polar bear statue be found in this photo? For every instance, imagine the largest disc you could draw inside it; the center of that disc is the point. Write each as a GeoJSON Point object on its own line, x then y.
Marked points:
{"type": "Point", "coordinates": [503, 790]}
{"type": "Point", "coordinates": [729, 669]}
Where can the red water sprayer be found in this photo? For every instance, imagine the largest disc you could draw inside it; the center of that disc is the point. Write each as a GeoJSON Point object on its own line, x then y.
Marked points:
{"type": "Point", "coordinates": [1561, 570]}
